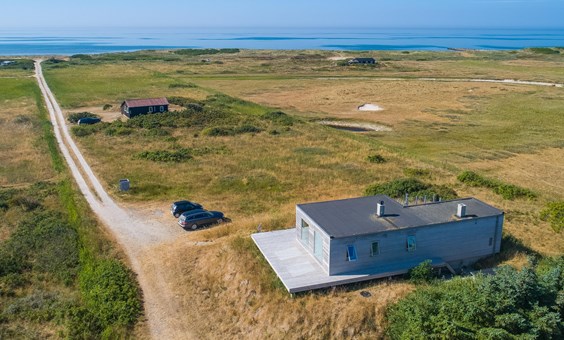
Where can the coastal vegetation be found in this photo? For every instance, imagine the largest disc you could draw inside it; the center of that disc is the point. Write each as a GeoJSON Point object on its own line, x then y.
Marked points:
{"type": "Point", "coordinates": [554, 214]}
{"type": "Point", "coordinates": [507, 191]}
{"type": "Point", "coordinates": [56, 266]}
{"type": "Point", "coordinates": [511, 304]}
{"type": "Point", "coordinates": [281, 156]}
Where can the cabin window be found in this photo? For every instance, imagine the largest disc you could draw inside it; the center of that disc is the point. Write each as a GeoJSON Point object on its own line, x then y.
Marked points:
{"type": "Point", "coordinates": [162, 108]}
{"type": "Point", "coordinates": [411, 245]}
{"type": "Point", "coordinates": [150, 109]}
{"type": "Point", "coordinates": [375, 249]}
{"type": "Point", "coordinates": [351, 253]}
{"type": "Point", "coordinates": [491, 241]}
{"type": "Point", "coordinates": [305, 232]}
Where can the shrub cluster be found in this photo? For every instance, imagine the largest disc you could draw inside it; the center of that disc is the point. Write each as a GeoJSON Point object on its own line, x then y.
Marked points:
{"type": "Point", "coordinates": [204, 51]}
{"type": "Point", "coordinates": [544, 50]}
{"type": "Point", "coordinates": [416, 172]}
{"type": "Point", "coordinates": [421, 273]}
{"type": "Point", "coordinates": [44, 243]}
{"type": "Point", "coordinates": [110, 294]}
{"type": "Point", "coordinates": [376, 158]}
{"type": "Point", "coordinates": [75, 117]}
{"type": "Point", "coordinates": [414, 187]}
{"type": "Point", "coordinates": [279, 118]}
{"type": "Point", "coordinates": [512, 304]}
{"type": "Point", "coordinates": [183, 101]}
{"type": "Point", "coordinates": [182, 86]}
{"type": "Point", "coordinates": [507, 191]}
{"type": "Point", "coordinates": [166, 156]}
{"type": "Point", "coordinates": [554, 213]}
{"type": "Point", "coordinates": [230, 131]}
{"type": "Point", "coordinates": [23, 64]}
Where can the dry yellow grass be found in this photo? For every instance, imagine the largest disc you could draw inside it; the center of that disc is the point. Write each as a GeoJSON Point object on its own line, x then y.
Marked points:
{"type": "Point", "coordinates": [220, 297]}
{"type": "Point", "coordinates": [543, 170]}
{"type": "Point", "coordinates": [401, 100]}
{"type": "Point", "coordinates": [22, 160]}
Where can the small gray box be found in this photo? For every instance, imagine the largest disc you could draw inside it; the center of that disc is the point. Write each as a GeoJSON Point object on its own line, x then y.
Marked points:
{"type": "Point", "coordinates": [124, 185]}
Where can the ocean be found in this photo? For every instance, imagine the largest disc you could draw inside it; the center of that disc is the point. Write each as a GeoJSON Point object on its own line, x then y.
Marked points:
{"type": "Point", "coordinates": [70, 41]}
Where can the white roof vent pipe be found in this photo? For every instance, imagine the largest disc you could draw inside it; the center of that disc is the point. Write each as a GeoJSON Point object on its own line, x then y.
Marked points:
{"type": "Point", "coordinates": [380, 210]}
{"type": "Point", "coordinates": [461, 210]}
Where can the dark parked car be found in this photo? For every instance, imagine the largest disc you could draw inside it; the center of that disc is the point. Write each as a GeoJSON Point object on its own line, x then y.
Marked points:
{"type": "Point", "coordinates": [198, 218]}
{"type": "Point", "coordinates": [88, 120]}
{"type": "Point", "coordinates": [179, 207]}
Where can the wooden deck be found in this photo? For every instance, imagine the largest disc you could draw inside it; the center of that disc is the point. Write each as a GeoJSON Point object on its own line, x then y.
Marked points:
{"type": "Point", "coordinates": [299, 271]}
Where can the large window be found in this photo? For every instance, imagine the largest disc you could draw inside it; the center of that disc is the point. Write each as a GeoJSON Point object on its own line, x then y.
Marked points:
{"type": "Point", "coordinates": [351, 253]}
{"type": "Point", "coordinates": [411, 245]}
{"type": "Point", "coordinates": [317, 245]}
{"type": "Point", "coordinates": [375, 249]}
{"type": "Point", "coordinates": [305, 232]}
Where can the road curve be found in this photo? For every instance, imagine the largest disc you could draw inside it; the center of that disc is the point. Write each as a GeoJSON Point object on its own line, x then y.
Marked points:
{"type": "Point", "coordinates": [134, 235]}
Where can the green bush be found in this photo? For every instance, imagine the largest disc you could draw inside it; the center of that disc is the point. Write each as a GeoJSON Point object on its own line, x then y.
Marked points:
{"type": "Point", "coordinates": [414, 187]}
{"type": "Point", "coordinates": [109, 293]}
{"type": "Point", "coordinates": [44, 243]}
{"type": "Point", "coordinates": [511, 304]}
{"type": "Point", "coordinates": [279, 117]}
{"type": "Point", "coordinates": [82, 56]}
{"type": "Point", "coordinates": [416, 172]}
{"type": "Point", "coordinates": [117, 131]}
{"type": "Point", "coordinates": [107, 107]}
{"type": "Point", "coordinates": [376, 158]}
{"type": "Point", "coordinates": [86, 130]}
{"type": "Point", "coordinates": [511, 192]}
{"type": "Point", "coordinates": [474, 180]}
{"type": "Point", "coordinates": [554, 214]}
{"type": "Point", "coordinates": [23, 64]}
{"type": "Point", "coordinates": [182, 86]}
{"type": "Point", "coordinates": [422, 273]}
{"type": "Point", "coordinates": [75, 117]}
{"type": "Point", "coordinates": [204, 51]}
{"type": "Point", "coordinates": [217, 131]}
{"type": "Point", "coordinates": [507, 191]}
{"type": "Point", "coordinates": [166, 156]}
{"type": "Point", "coordinates": [182, 101]}
{"type": "Point", "coordinates": [246, 128]}
{"type": "Point", "coordinates": [543, 50]}
{"type": "Point", "coordinates": [230, 131]}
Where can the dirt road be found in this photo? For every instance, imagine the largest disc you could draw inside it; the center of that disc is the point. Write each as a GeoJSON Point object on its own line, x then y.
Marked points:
{"type": "Point", "coordinates": [136, 235]}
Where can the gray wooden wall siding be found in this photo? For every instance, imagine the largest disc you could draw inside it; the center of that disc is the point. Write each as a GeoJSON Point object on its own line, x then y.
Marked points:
{"type": "Point", "coordinates": [459, 243]}
{"type": "Point", "coordinates": [310, 245]}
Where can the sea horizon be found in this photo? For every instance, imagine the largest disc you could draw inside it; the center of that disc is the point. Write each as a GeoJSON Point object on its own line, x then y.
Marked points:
{"type": "Point", "coordinates": [94, 40]}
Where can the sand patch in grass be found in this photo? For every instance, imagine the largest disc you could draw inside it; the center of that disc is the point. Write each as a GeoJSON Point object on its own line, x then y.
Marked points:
{"type": "Point", "coordinates": [370, 107]}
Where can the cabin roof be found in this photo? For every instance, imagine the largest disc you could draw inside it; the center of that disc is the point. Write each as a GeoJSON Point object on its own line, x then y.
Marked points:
{"type": "Point", "coordinates": [146, 102]}
{"type": "Point", "coordinates": [357, 216]}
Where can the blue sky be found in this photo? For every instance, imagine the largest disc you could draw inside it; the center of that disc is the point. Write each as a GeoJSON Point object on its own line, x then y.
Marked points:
{"type": "Point", "coordinates": [283, 13]}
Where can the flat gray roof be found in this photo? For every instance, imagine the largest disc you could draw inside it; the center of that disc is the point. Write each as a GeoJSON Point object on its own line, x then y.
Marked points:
{"type": "Point", "coordinates": [357, 216]}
